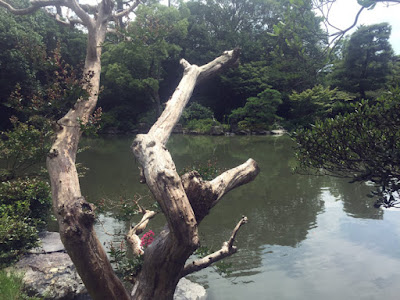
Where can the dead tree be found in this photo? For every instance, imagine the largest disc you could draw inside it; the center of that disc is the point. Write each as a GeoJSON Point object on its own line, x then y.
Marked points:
{"type": "Point", "coordinates": [184, 200]}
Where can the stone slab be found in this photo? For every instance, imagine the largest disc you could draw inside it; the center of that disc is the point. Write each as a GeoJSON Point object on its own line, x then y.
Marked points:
{"type": "Point", "coordinates": [49, 242]}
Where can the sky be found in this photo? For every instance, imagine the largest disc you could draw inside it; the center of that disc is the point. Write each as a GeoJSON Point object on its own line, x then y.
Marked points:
{"type": "Point", "coordinates": [344, 11]}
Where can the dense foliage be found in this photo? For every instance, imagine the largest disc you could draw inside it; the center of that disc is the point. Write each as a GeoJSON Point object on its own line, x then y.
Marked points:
{"type": "Point", "coordinates": [259, 113]}
{"type": "Point", "coordinates": [318, 103]}
{"type": "Point", "coordinates": [11, 286]}
{"type": "Point", "coordinates": [367, 56]}
{"type": "Point", "coordinates": [281, 41]}
{"type": "Point", "coordinates": [25, 43]}
{"type": "Point", "coordinates": [24, 208]}
{"type": "Point", "coordinates": [363, 145]}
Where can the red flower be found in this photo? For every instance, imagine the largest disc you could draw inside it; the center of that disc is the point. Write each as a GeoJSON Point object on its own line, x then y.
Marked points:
{"type": "Point", "coordinates": [147, 239]}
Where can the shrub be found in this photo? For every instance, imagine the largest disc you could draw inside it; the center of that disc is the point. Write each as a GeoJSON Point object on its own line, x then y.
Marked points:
{"type": "Point", "coordinates": [24, 207]}
{"type": "Point", "coordinates": [202, 126]}
{"type": "Point", "coordinates": [26, 198]}
{"type": "Point", "coordinates": [11, 286]}
{"type": "Point", "coordinates": [22, 148]}
{"type": "Point", "coordinates": [16, 237]}
{"type": "Point", "coordinates": [259, 112]}
{"type": "Point", "coordinates": [318, 103]}
{"type": "Point", "coordinates": [196, 111]}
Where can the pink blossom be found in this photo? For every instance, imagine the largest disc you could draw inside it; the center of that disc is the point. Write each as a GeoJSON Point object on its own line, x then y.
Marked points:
{"type": "Point", "coordinates": [147, 239]}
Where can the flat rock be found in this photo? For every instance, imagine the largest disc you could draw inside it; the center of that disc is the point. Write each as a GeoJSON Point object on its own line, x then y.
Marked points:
{"type": "Point", "coordinates": [49, 242]}
{"type": "Point", "coordinates": [188, 290]}
{"type": "Point", "coordinates": [51, 276]}
{"type": "Point", "coordinates": [278, 132]}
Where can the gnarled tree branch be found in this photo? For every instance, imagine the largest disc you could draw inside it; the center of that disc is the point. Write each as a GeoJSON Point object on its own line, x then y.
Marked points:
{"type": "Point", "coordinates": [203, 195]}
{"type": "Point", "coordinates": [159, 168]}
{"type": "Point", "coordinates": [226, 250]}
{"type": "Point", "coordinates": [66, 21]}
{"type": "Point", "coordinates": [35, 5]}
{"type": "Point", "coordinates": [81, 13]}
{"type": "Point", "coordinates": [162, 129]}
{"type": "Point", "coordinates": [177, 242]}
{"type": "Point", "coordinates": [85, 19]}
{"type": "Point", "coordinates": [127, 11]}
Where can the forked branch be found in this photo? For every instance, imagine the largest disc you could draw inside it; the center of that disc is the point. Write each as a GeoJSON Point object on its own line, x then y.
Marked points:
{"type": "Point", "coordinates": [158, 167]}
{"type": "Point", "coordinates": [35, 5]}
{"type": "Point", "coordinates": [132, 237]}
{"type": "Point", "coordinates": [127, 11]}
{"type": "Point", "coordinates": [226, 250]}
{"type": "Point", "coordinates": [84, 18]}
{"type": "Point", "coordinates": [204, 195]}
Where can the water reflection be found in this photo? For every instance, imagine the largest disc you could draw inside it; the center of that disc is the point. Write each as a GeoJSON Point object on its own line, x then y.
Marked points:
{"type": "Point", "coordinates": [308, 237]}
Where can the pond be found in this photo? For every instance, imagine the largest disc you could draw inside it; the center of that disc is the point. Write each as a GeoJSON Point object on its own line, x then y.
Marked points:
{"type": "Point", "coordinates": [308, 237]}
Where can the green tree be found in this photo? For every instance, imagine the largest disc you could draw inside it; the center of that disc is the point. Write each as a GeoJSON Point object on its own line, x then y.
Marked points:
{"type": "Point", "coordinates": [362, 145]}
{"type": "Point", "coordinates": [134, 68]}
{"type": "Point", "coordinates": [259, 113]}
{"type": "Point", "coordinates": [298, 53]}
{"type": "Point", "coordinates": [291, 60]}
{"type": "Point", "coordinates": [317, 103]}
{"type": "Point", "coordinates": [216, 25]}
{"type": "Point", "coordinates": [25, 42]}
{"type": "Point", "coordinates": [366, 61]}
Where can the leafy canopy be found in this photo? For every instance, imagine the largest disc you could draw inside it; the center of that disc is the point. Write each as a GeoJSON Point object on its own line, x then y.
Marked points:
{"type": "Point", "coordinates": [363, 145]}
{"type": "Point", "coordinates": [259, 113]}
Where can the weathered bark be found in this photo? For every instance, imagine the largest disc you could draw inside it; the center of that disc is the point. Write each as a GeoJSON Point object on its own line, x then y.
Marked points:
{"type": "Point", "coordinates": [226, 250]}
{"type": "Point", "coordinates": [204, 195]}
{"type": "Point", "coordinates": [183, 201]}
{"type": "Point", "coordinates": [76, 216]}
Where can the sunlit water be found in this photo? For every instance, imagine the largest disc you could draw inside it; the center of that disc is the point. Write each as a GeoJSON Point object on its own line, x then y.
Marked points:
{"type": "Point", "coordinates": [308, 237]}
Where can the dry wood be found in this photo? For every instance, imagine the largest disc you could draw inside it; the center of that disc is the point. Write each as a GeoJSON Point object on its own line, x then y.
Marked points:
{"type": "Point", "coordinates": [226, 250]}
{"type": "Point", "coordinates": [183, 201]}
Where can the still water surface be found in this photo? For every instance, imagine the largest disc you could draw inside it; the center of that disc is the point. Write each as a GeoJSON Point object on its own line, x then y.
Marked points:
{"type": "Point", "coordinates": [308, 237]}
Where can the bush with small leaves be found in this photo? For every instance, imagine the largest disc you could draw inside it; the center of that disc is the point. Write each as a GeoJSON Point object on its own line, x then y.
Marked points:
{"type": "Point", "coordinates": [24, 208]}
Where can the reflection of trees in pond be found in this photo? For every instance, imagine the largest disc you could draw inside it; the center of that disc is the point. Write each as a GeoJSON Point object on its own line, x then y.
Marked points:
{"type": "Point", "coordinates": [112, 170]}
{"type": "Point", "coordinates": [281, 207]}
{"type": "Point", "coordinates": [356, 202]}
{"type": "Point", "coordinates": [189, 149]}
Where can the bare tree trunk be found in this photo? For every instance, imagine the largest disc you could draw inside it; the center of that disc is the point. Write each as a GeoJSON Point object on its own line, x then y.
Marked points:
{"type": "Point", "coordinates": [76, 216]}
{"type": "Point", "coordinates": [165, 258]}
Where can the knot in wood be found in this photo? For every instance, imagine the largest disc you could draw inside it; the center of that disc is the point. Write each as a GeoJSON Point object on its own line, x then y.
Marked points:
{"type": "Point", "coordinates": [53, 153]}
{"type": "Point", "coordinates": [150, 144]}
{"type": "Point", "coordinates": [137, 142]}
{"type": "Point", "coordinates": [84, 211]}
